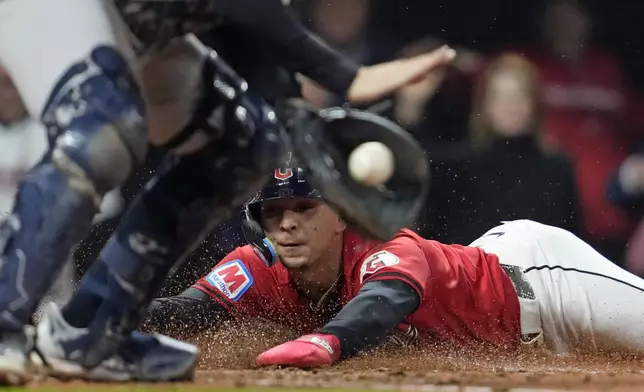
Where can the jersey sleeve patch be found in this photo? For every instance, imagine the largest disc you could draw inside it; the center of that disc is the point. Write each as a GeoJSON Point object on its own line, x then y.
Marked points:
{"type": "Point", "coordinates": [376, 262]}
{"type": "Point", "coordinates": [232, 279]}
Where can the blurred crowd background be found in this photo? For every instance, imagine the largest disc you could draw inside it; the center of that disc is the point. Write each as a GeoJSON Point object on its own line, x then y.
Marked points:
{"type": "Point", "coordinates": [541, 117]}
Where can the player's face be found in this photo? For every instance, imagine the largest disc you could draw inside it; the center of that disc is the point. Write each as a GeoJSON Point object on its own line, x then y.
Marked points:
{"type": "Point", "coordinates": [301, 229]}
{"type": "Point", "coordinates": [340, 21]}
{"type": "Point", "coordinates": [508, 104]}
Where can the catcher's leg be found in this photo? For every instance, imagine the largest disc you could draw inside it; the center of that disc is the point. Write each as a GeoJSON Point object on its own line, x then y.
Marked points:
{"type": "Point", "coordinates": [186, 197]}
{"type": "Point", "coordinates": [62, 56]}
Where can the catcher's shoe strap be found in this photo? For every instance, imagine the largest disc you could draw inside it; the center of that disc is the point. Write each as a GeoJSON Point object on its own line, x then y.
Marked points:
{"type": "Point", "coordinates": [531, 332]}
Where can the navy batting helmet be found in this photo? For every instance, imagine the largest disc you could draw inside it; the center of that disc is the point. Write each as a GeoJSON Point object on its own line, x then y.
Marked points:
{"type": "Point", "coordinates": [286, 183]}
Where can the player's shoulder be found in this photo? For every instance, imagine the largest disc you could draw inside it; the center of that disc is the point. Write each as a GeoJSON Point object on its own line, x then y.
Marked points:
{"type": "Point", "coordinates": [410, 241]}
{"type": "Point", "coordinates": [556, 162]}
{"type": "Point", "coordinates": [388, 252]}
{"type": "Point", "coordinates": [403, 239]}
{"type": "Point", "coordinates": [400, 257]}
{"type": "Point", "coordinates": [240, 271]}
{"type": "Point", "coordinates": [408, 234]}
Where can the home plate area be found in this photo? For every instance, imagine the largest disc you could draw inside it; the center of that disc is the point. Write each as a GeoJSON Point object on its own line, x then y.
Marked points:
{"type": "Point", "coordinates": [227, 364]}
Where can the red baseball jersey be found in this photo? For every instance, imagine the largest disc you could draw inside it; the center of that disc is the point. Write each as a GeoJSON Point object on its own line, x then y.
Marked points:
{"type": "Point", "coordinates": [465, 294]}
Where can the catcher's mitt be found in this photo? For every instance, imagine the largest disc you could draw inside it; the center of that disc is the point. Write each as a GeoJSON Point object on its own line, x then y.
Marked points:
{"type": "Point", "coordinates": [322, 141]}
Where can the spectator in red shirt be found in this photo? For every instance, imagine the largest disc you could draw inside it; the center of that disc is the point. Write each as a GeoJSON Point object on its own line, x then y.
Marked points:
{"type": "Point", "coordinates": [586, 103]}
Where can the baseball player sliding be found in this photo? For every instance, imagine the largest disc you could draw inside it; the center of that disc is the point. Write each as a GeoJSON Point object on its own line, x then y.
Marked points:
{"type": "Point", "coordinates": [521, 283]}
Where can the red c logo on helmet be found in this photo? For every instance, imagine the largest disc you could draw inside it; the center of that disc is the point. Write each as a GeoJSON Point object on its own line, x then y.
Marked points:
{"type": "Point", "coordinates": [283, 174]}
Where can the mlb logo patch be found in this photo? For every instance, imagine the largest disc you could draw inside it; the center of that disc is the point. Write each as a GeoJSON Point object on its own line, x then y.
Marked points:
{"type": "Point", "coordinates": [376, 262]}
{"type": "Point", "coordinates": [232, 279]}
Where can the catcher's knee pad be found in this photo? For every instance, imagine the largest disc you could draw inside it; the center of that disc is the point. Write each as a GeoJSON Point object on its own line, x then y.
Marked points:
{"type": "Point", "coordinates": [95, 121]}
{"type": "Point", "coordinates": [96, 136]}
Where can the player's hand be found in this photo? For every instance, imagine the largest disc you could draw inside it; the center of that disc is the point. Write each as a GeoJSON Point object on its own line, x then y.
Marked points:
{"type": "Point", "coordinates": [308, 351]}
{"type": "Point", "coordinates": [377, 81]}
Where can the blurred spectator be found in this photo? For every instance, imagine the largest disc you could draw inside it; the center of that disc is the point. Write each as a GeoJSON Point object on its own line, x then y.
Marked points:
{"type": "Point", "coordinates": [635, 251]}
{"type": "Point", "coordinates": [589, 115]}
{"type": "Point", "coordinates": [626, 187]}
{"type": "Point", "coordinates": [344, 24]}
{"type": "Point", "coordinates": [433, 108]}
{"type": "Point", "coordinates": [626, 190]}
{"type": "Point", "coordinates": [586, 117]}
{"type": "Point", "coordinates": [504, 172]}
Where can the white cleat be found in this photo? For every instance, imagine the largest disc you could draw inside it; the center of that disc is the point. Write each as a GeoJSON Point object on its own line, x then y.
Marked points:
{"type": "Point", "coordinates": [15, 365]}
{"type": "Point", "coordinates": [150, 358]}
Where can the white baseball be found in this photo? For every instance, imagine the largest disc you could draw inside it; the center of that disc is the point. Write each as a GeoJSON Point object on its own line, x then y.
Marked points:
{"type": "Point", "coordinates": [371, 163]}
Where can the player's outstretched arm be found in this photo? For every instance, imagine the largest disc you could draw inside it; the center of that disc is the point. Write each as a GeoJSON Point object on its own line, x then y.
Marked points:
{"type": "Point", "coordinates": [301, 51]}
{"type": "Point", "coordinates": [280, 29]}
{"type": "Point", "coordinates": [190, 312]}
{"type": "Point", "coordinates": [362, 324]}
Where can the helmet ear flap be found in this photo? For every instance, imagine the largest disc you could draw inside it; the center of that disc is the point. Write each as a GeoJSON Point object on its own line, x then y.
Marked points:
{"type": "Point", "coordinates": [256, 238]}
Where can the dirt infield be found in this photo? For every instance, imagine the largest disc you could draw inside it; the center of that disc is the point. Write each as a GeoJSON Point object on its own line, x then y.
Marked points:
{"type": "Point", "coordinates": [415, 373]}
{"type": "Point", "coordinates": [427, 369]}
{"type": "Point", "coordinates": [228, 362]}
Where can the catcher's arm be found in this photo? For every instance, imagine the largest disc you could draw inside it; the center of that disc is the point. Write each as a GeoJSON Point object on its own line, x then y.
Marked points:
{"type": "Point", "coordinates": [299, 50]}
{"type": "Point", "coordinates": [192, 311]}
{"type": "Point", "coordinates": [279, 28]}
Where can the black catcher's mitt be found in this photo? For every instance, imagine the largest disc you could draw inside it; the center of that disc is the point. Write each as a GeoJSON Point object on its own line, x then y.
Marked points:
{"type": "Point", "coordinates": [322, 142]}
